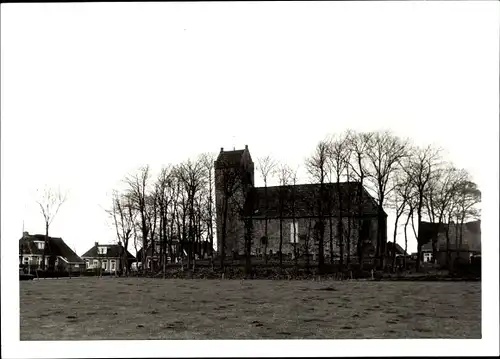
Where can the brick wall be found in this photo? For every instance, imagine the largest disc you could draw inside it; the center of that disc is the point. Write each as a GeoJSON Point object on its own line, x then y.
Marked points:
{"type": "Point", "coordinates": [305, 227]}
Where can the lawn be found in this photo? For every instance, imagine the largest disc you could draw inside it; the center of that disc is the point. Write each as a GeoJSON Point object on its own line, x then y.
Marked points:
{"type": "Point", "coordinates": [141, 308]}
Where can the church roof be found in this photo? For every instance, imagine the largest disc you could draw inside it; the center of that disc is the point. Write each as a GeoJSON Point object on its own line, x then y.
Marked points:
{"type": "Point", "coordinates": [302, 200]}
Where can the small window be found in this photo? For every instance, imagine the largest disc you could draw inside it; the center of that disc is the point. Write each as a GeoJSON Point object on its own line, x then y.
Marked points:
{"type": "Point", "coordinates": [96, 263]}
{"type": "Point", "coordinates": [112, 265]}
{"type": "Point", "coordinates": [103, 250]}
{"type": "Point", "coordinates": [40, 245]}
{"type": "Point", "coordinates": [104, 264]}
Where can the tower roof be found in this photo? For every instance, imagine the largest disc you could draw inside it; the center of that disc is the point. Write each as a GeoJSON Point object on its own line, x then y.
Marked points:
{"type": "Point", "coordinates": [229, 158]}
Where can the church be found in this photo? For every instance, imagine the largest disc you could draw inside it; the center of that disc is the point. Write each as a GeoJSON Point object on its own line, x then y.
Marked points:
{"type": "Point", "coordinates": [292, 214]}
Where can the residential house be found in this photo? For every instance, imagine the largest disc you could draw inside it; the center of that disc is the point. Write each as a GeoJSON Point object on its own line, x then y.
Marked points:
{"type": "Point", "coordinates": [464, 241]}
{"type": "Point", "coordinates": [108, 257]}
{"type": "Point", "coordinates": [58, 255]}
{"type": "Point", "coordinates": [296, 210]}
{"type": "Point", "coordinates": [400, 252]}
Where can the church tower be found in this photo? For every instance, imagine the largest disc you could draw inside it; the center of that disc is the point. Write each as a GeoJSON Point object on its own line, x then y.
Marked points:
{"type": "Point", "coordinates": [234, 178]}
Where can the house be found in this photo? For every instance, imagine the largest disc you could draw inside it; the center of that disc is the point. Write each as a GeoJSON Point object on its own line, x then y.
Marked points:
{"type": "Point", "coordinates": [400, 252]}
{"type": "Point", "coordinates": [108, 257]}
{"type": "Point", "coordinates": [464, 241]}
{"type": "Point", "coordinates": [58, 256]}
{"type": "Point", "coordinates": [293, 208]}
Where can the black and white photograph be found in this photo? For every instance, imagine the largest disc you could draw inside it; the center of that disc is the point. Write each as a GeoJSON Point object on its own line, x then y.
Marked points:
{"type": "Point", "coordinates": [214, 179]}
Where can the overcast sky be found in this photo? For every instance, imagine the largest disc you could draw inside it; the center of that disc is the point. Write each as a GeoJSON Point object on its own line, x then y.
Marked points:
{"type": "Point", "coordinates": [91, 92]}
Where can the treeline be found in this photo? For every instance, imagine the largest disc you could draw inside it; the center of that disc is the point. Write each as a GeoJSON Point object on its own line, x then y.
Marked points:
{"type": "Point", "coordinates": [177, 205]}
{"type": "Point", "coordinates": [414, 182]}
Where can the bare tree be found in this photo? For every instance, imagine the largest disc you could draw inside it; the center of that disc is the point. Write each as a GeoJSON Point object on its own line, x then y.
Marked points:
{"type": "Point", "coordinates": [208, 160]}
{"type": "Point", "coordinates": [401, 196]}
{"type": "Point", "coordinates": [469, 196]}
{"type": "Point", "coordinates": [358, 145]}
{"type": "Point", "coordinates": [50, 201]}
{"type": "Point", "coordinates": [284, 177]}
{"type": "Point", "coordinates": [384, 155]}
{"type": "Point", "coordinates": [267, 168]}
{"type": "Point", "coordinates": [192, 175]}
{"type": "Point", "coordinates": [338, 161]}
{"type": "Point", "coordinates": [293, 202]}
{"type": "Point", "coordinates": [317, 166]}
{"type": "Point", "coordinates": [409, 214]}
{"type": "Point", "coordinates": [439, 195]}
{"type": "Point", "coordinates": [420, 169]}
{"type": "Point", "coordinates": [137, 190]}
{"type": "Point", "coordinates": [163, 189]}
{"type": "Point", "coordinates": [123, 220]}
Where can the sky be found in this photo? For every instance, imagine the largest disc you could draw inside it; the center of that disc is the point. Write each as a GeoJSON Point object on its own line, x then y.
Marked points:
{"type": "Point", "coordinates": [90, 92]}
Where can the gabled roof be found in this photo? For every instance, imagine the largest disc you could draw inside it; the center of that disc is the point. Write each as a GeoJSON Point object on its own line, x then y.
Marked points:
{"type": "Point", "coordinates": [428, 231]}
{"type": "Point", "coordinates": [303, 199]}
{"type": "Point", "coordinates": [474, 227]}
{"type": "Point", "coordinates": [55, 246]}
{"type": "Point", "coordinates": [399, 249]}
{"type": "Point", "coordinates": [112, 252]}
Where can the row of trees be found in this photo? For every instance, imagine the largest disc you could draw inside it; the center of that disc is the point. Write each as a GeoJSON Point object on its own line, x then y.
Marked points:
{"type": "Point", "coordinates": [177, 204]}
{"type": "Point", "coordinates": [415, 183]}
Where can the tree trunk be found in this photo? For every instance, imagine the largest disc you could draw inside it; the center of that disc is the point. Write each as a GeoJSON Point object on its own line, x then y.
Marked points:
{"type": "Point", "coordinates": [406, 238]}
{"type": "Point", "coordinates": [419, 221]}
{"type": "Point", "coordinates": [295, 240]}
{"type": "Point", "coordinates": [341, 223]}
{"type": "Point", "coordinates": [348, 240]}
{"type": "Point", "coordinates": [223, 234]}
{"type": "Point", "coordinates": [331, 239]}
{"type": "Point", "coordinates": [321, 249]}
{"type": "Point", "coordinates": [265, 223]}
{"type": "Point", "coordinates": [394, 244]}
{"type": "Point", "coordinates": [46, 244]}
{"type": "Point", "coordinates": [281, 240]}
{"type": "Point", "coordinates": [248, 246]}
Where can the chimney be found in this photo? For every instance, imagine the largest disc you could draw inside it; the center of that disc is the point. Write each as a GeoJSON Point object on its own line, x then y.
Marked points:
{"type": "Point", "coordinates": [25, 234]}
{"type": "Point", "coordinates": [222, 149]}
{"type": "Point", "coordinates": [96, 244]}
{"type": "Point", "coordinates": [246, 147]}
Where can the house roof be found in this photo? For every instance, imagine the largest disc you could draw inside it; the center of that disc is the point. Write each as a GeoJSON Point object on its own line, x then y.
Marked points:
{"type": "Point", "coordinates": [474, 227]}
{"type": "Point", "coordinates": [429, 231]}
{"type": "Point", "coordinates": [399, 249]}
{"type": "Point", "coordinates": [113, 252]}
{"type": "Point", "coordinates": [303, 198]}
{"type": "Point", "coordinates": [55, 246]}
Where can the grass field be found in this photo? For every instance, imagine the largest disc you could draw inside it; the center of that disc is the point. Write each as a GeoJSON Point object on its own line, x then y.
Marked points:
{"type": "Point", "coordinates": [139, 308]}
